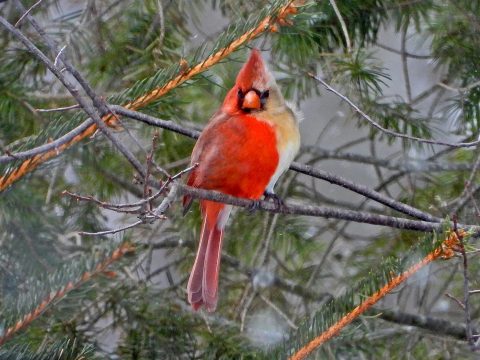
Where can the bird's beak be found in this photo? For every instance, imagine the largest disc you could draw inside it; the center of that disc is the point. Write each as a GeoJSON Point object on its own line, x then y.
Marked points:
{"type": "Point", "coordinates": [251, 101]}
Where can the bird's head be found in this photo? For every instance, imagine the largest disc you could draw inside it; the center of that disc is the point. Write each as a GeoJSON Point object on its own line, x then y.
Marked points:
{"type": "Point", "coordinates": [255, 88]}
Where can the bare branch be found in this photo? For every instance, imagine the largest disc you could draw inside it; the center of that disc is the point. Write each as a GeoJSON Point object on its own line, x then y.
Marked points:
{"type": "Point", "coordinates": [27, 12]}
{"type": "Point", "coordinates": [113, 231]}
{"type": "Point", "coordinates": [436, 325]}
{"type": "Point", "coordinates": [71, 107]}
{"type": "Point", "coordinates": [291, 208]}
{"type": "Point", "coordinates": [390, 132]}
{"type": "Point", "coordinates": [413, 56]}
{"type": "Point", "coordinates": [53, 145]}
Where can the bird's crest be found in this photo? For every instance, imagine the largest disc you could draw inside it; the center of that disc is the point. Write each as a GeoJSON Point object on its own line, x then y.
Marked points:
{"type": "Point", "coordinates": [254, 73]}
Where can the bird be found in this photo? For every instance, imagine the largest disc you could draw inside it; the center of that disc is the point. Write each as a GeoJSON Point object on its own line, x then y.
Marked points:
{"type": "Point", "coordinates": [243, 150]}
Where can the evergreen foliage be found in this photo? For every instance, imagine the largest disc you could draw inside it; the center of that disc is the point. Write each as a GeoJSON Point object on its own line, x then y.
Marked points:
{"type": "Point", "coordinates": [278, 272]}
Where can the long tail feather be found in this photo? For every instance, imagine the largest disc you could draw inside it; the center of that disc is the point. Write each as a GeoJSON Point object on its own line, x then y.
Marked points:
{"type": "Point", "coordinates": [194, 287]}
{"type": "Point", "coordinates": [203, 283]}
{"type": "Point", "coordinates": [211, 269]}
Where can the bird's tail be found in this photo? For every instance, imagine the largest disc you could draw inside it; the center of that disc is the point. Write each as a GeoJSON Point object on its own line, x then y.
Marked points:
{"type": "Point", "coordinates": [203, 283]}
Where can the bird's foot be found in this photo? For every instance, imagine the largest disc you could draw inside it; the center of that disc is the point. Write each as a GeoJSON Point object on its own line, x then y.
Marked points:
{"type": "Point", "coordinates": [277, 200]}
{"type": "Point", "coordinates": [254, 206]}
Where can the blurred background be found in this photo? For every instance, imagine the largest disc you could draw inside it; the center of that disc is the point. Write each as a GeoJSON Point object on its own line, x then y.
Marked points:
{"type": "Point", "coordinates": [412, 66]}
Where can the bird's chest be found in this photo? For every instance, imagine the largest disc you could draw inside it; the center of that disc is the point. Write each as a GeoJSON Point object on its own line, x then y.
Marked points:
{"type": "Point", "coordinates": [247, 158]}
{"type": "Point", "coordinates": [287, 139]}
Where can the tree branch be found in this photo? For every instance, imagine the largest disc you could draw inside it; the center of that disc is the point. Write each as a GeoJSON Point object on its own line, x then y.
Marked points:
{"type": "Point", "coordinates": [444, 251]}
{"type": "Point", "coordinates": [264, 25]}
{"type": "Point", "coordinates": [54, 297]}
{"type": "Point", "coordinates": [291, 208]}
{"type": "Point", "coordinates": [386, 131]}
{"type": "Point", "coordinates": [435, 325]}
{"type": "Point", "coordinates": [74, 92]}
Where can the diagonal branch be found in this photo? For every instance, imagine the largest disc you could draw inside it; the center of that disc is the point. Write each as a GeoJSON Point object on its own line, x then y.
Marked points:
{"type": "Point", "coordinates": [264, 25]}
{"type": "Point", "coordinates": [445, 250]}
{"type": "Point", "coordinates": [379, 127]}
{"type": "Point", "coordinates": [62, 292]}
{"type": "Point", "coordinates": [291, 208]}
{"type": "Point", "coordinates": [74, 92]}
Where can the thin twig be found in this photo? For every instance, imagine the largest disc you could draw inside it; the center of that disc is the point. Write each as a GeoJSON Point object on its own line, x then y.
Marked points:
{"type": "Point", "coordinates": [123, 206]}
{"type": "Point", "coordinates": [390, 132]}
{"type": "Point", "coordinates": [59, 55]}
{"type": "Point", "coordinates": [413, 56]}
{"type": "Point", "coordinates": [27, 12]}
{"type": "Point", "coordinates": [71, 107]}
{"type": "Point", "coordinates": [466, 190]}
{"type": "Point", "coordinates": [145, 214]}
{"type": "Point", "coordinates": [113, 231]}
{"type": "Point", "coordinates": [403, 53]}
{"type": "Point", "coordinates": [279, 312]}
{"type": "Point", "coordinates": [460, 89]}
{"type": "Point", "coordinates": [458, 301]}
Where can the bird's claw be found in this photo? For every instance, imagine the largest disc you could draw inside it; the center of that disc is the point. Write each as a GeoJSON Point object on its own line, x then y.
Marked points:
{"type": "Point", "coordinates": [277, 200]}
{"type": "Point", "coordinates": [254, 206]}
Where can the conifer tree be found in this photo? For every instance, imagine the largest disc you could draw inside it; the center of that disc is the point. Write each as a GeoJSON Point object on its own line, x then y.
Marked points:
{"type": "Point", "coordinates": [100, 105]}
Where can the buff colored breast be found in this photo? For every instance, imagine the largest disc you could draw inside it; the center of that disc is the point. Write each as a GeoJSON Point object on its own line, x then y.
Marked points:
{"type": "Point", "coordinates": [287, 139]}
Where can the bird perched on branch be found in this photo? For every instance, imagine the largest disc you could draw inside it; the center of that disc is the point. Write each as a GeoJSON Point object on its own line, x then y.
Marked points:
{"type": "Point", "coordinates": [247, 144]}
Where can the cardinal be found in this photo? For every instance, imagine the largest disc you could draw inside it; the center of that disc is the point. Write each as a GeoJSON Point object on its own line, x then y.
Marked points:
{"type": "Point", "coordinates": [247, 144]}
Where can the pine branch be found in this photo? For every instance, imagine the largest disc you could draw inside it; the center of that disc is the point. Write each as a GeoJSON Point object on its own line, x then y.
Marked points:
{"type": "Point", "coordinates": [58, 295]}
{"type": "Point", "coordinates": [444, 251]}
{"type": "Point", "coordinates": [65, 350]}
{"type": "Point", "coordinates": [98, 104]}
{"type": "Point", "coordinates": [268, 23]}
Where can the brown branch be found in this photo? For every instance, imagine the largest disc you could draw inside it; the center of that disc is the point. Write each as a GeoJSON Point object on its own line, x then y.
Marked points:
{"type": "Point", "coordinates": [444, 251]}
{"type": "Point", "coordinates": [62, 292]}
{"type": "Point", "coordinates": [466, 290]}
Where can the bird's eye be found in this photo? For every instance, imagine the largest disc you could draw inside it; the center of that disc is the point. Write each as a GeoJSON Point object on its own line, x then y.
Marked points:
{"type": "Point", "coordinates": [240, 93]}
{"type": "Point", "coordinates": [265, 94]}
